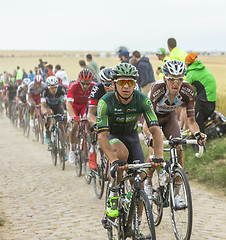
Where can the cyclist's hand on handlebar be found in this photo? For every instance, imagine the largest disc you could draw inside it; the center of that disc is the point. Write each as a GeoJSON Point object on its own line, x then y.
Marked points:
{"type": "Point", "coordinates": [93, 127]}
{"type": "Point", "coordinates": [157, 162]}
{"type": "Point", "coordinates": [115, 165]}
{"type": "Point", "coordinates": [201, 138]}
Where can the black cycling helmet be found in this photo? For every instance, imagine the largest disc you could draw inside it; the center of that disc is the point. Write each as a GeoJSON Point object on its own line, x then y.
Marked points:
{"type": "Point", "coordinates": [85, 75]}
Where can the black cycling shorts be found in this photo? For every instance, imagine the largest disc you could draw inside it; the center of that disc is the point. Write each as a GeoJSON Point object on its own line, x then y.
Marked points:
{"type": "Point", "coordinates": [132, 143]}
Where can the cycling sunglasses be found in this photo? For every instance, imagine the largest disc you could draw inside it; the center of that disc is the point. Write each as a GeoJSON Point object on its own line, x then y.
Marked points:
{"type": "Point", "coordinates": [52, 87]}
{"type": "Point", "coordinates": [87, 84]}
{"type": "Point", "coordinates": [174, 79]}
{"type": "Point", "coordinates": [123, 82]}
{"type": "Point", "coordinates": [107, 85]}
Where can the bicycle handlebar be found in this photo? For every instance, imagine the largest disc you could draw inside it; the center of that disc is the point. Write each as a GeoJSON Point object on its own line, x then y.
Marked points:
{"type": "Point", "coordinates": [177, 141]}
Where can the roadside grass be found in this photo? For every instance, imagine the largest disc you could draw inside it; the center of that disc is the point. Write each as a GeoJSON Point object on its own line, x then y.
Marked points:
{"type": "Point", "coordinates": [210, 169]}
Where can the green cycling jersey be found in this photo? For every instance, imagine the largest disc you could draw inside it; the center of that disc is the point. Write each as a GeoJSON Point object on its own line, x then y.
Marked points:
{"type": "Point", "coordinates": [116, 118]}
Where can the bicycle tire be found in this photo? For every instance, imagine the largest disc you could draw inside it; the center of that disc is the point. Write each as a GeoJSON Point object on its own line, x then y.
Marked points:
{"type": "Point", "coordinates": [78, 160]}
{"type": "Point", "coordinates": [86, 168]}
{"type": "Point", "coordinates": [26, 123]}
{"type": "Point", "coordinates": [54, 150]}
{"type": "Point", "coordinates": [185, 193]}
{"type": "Point", "coordinates": [61, 148]}
{"type": "Point", "coordinates": [98, 175]}
{"type": "Point", "coordinates": [41, 130]}
{"type": "Point", "coordinates": [147, 226]}
{"type": "Point", "coordinates": [36, 127]}
{"type": "Point", "coordinates": [157, 200]}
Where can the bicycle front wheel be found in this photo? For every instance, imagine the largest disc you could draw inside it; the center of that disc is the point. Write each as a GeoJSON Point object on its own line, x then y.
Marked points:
{"type": "Point", "coordinates": [54, 149]}
{"type": "Point", "coordinates": [61, 148]}
{"type": "Point", "coordinates": [146, 228]}
{"type": "Point", "coordinates": [26, 123]}
{"type": "Point", "coordinates": [98, 175]}
{"type": "Point", "coordinates": [36, 127]}
{"type": "Point", "coordinates": [181, 213]}
{"type": "Point", "coordinates": [41, 130]}
{"type": "Point", "coordinates": [85, 150]}
{"type": "Point", "coordinates": [78, 160]}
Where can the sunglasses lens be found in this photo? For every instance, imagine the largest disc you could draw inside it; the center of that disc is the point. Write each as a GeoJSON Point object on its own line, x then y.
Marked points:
{"type": "Point", "coordinates": [123, 82]}
{"type": "Point", "coordinates": [107, 85]}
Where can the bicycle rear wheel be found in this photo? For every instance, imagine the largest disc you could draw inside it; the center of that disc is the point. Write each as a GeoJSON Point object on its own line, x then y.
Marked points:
{"type": "Point", "coordinates": [146, 229]}
{"type": "Point", "coordinates": [61, 148]}
{"type": "Point", "coordinates": [181, 215]}
{"type": "Point", "coordinates": [78, 160]}
{"type": "Point", "coordinates": [98, 175]}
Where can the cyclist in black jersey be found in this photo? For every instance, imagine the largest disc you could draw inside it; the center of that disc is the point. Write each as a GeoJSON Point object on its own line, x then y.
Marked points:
{"type": "Point", "coordinates": [98, 91]}
{"type": "Point", "coordinates": [51, 103]}
{"type": "Point", "coordinates": [117, 116]}
{"type": "Point", "coordinates": [21, 96]}
{"type": "Point", "coordinates": [11, 93]}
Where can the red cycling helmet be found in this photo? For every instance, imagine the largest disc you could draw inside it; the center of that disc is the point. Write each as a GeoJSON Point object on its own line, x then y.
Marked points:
{"type": "Point", "coordinates": [85, 75]}
{"type": "Point", "coordinates": [38, 78]}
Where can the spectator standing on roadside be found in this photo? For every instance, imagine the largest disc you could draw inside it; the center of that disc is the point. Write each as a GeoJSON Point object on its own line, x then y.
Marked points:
{"type": "Point", "coordinates": [5, 77]}
{"type": "Point", "coordinates": [92, 63]}
{"type": "Point", "coordinates": [24, 74]}
{"type": "Point", "coordinates": [61, 74]}
{"type": "Point", "coordinates": [31, 75]}
{"type": "Point", "coordinates": [124, 56]}
{"type": "Point", "coordinates": [19, 76]}
{"type": "Point", "coordinates": [41, 66]}
{"type": "Point", "coordinates": [161, 55]}
{"type": "Point", "coordinates": [175, 53]}
{"type": "Point", "coordinates": [145, 71]}
{"type": "Point", "coordinates": [82, 63]}
{"type": "Point", "coordinates": [205, 87]}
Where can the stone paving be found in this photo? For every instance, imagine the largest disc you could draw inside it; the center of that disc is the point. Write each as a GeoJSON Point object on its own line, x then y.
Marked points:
{"type": "Point", "coordinates": [40, 201]}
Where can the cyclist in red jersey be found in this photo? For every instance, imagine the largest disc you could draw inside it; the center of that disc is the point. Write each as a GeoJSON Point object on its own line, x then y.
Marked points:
{"type": "Point", "coordinates": [77, 99]}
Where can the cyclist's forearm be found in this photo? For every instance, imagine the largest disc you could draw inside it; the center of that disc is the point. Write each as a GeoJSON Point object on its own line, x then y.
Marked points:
{"type": "Point", "coordinates": [158, 141]}
{"type": "Point", "coordinates": [92, 119]}
{"type": "Point", "coordinates": [193, 126]}
{"type": "Point", "coordinates": [70, 109]}
{"type": "Point", "coordinates": [106, 147]}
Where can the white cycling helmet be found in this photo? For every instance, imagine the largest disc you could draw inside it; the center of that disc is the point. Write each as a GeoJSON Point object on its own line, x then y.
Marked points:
{"type": "Point", "coordinates": [26, 82]}
{"type": "Point", "coordinates": [105, 74]}
{"type": "Point", "coordinates": [174, 67]}
{"type": "Point", "coordinates": [38, 78]}
{"type": "Point", "coordinates": [51, 81]}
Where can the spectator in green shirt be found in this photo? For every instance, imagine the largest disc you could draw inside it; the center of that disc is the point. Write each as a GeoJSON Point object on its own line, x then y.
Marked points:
{"type": "Point", "coordinates": [93, 64]}
{"type": "Point", "coordinates": [205, 87]}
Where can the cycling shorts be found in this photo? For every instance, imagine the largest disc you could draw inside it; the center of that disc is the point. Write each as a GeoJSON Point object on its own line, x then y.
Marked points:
{"type": "Point", "coordinates": [132, 143]}
{"type": "Point", "coordinates": [169, 124]}
{"type": "Point", "coordinates": [57, 108]}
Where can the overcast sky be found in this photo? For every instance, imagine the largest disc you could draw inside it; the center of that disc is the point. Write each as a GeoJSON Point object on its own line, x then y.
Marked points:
{"type": "Point", "coordinates": [103, 25]}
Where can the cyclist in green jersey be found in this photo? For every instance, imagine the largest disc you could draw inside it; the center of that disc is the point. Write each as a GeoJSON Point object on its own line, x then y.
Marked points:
{"type": "Point", "coordinates": [117, 116]}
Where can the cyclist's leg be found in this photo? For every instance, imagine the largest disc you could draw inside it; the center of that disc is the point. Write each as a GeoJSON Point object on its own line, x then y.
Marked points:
{"type": "Point", "coordinates": [122, 153]}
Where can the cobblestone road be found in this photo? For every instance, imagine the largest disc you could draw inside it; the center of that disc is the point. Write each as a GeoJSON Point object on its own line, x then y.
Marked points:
{"type": "Point", "coordinates": [40, 201]}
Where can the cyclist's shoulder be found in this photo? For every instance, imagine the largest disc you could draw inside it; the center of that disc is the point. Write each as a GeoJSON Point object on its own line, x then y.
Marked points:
{"type": "Point", "coordinates": [187, 90]}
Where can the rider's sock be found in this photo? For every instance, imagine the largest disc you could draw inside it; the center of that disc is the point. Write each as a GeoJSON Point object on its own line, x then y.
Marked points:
{"type": "Point", "coordinates": [149, 181]}
{"type": "Point", "coordinates": [72, 147]}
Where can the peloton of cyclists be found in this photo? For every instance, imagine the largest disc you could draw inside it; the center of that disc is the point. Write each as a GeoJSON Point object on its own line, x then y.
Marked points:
{"type": "Point", "coordinates": [98, 91]}
{"type": "Point", "coordinates": [34, 95]}
{"type": "Point", "coordinates": [76, 104]}
{"type": "Point", "coordinates": [117, 116]}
